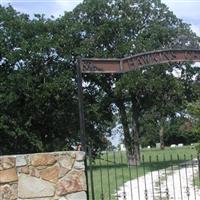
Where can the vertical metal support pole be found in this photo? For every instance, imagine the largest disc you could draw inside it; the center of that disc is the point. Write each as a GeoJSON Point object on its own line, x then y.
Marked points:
{"type": "Point", "coordinates": [91, 174]}
{"type": "Point", "coordinates": [82, 119]}
{"type": "Point", "coordinates": [81, 109]}
{"type": "Point", "coordinates": [198, 158]}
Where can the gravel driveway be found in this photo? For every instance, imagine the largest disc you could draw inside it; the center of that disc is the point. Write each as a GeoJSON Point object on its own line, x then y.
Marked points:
{"type": "Point", "coordinates": [179, 183]}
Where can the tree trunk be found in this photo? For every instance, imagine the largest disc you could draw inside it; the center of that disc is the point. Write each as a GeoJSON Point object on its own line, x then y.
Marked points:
{"type": "Point", "coordinates": [124, 121]}
{"type": "Point", "coordinates": [161, 134]}
{"type": "Point", "coordinates": [131, 140]}
{"type": "Point", "coordinates": [132, 151]}
{"type": "Point", "coordinates": [134, 159]}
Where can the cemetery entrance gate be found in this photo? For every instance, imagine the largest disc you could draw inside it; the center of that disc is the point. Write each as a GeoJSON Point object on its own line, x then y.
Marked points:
{"type": "Point", "coordinates": [112, 165]}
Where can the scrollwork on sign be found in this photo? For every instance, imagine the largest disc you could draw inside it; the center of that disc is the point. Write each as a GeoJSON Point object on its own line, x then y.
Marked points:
{"type": "Point", "coordinates": [89, 66]}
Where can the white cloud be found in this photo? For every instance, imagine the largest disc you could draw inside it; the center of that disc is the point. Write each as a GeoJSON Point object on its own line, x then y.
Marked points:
{"type": "Point", "coordinates": [65, 5]}
{"type": "Point", "coordinates": [196, 29]}
{"type": "Point", "coordinates": [68, 4]}
{"type": "Point", "coordinates": [188, 10]}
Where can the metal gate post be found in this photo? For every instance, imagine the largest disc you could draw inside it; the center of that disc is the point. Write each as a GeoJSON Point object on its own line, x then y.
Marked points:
{"type": "Point", "coordinates": [81, 109]}
{"type": "Point", "coordinates": [91, 174]}
{"type": "Point", "coordinates": [82, 119]}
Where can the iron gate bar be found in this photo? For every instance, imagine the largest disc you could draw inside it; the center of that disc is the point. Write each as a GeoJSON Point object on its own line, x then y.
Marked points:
{"type": "Point", "coordinates": [180, 181]}
{"type": "Point", "coordinates": [101, 180]}
{"type": "Point", "coordinates": [138, 182]}
{"type": "Point", "coordinates": [172, 169]}
{"type": "Point", "coordinates": [193, 177]}
{"type": "Point", "coordinates": [91, 173]}
{"type": "Point", "coordinates": [186, 174]}
{"type": "Point", "coordinates": [130, 176]}
{"type": "Point", "coordinates": [159, 179]}
{"type": "Point", "coordinates": [145, 183]}
{"type": "Point", "coordinates": [198, 158]}
{"type": "Point", "coordinates": [152, 185]}
{"type": "Point", "coordinates": [166, 180]}
{"type": "Point", "coordinates": [122, 172]}
{"type": "Point", "coordinates": [115, 171]}
{"type": "Point", "coordinates": [108, 174]}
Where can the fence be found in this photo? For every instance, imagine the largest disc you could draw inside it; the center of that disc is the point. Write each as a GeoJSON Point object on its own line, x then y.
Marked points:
{"type": "Point", "coordinates": [161, 175]}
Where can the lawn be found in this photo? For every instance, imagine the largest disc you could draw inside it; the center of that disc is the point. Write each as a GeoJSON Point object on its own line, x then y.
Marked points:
{"type": "Point", "coordinates": [111, 170]}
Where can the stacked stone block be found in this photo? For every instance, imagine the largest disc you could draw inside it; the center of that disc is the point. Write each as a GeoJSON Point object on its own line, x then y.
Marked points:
{"type": "Point", "coordinates": [44, 176]}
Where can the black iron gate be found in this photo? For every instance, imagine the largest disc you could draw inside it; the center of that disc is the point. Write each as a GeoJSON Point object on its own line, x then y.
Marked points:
{"type": "Point", "coordinates": [160, 176]}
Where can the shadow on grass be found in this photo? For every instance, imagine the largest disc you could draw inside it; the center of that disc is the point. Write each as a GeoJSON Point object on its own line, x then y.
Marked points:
{"type": "Point", "coordinates": [153, 166]}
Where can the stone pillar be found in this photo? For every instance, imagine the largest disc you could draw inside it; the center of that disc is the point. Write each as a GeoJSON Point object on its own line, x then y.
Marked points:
{"type": "Point", "coordinates": [44, 176]}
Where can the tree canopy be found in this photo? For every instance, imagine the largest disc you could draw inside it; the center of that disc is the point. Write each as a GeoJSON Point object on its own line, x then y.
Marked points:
{"type": "Point", "coordinates": [38, 90]}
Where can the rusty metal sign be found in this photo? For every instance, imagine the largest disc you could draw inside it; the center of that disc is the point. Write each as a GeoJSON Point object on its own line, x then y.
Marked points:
{"type": "Point", "coordinates": [95, 65]}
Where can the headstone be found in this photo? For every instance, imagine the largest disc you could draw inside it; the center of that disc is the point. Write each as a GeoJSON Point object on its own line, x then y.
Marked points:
{"type": "Point", "coordinates": [122, 147]}
{"type": "Point", "coordinates": [180, 145]}
{"type": "Point", "coordinates": [157, 145]}
{"type": "Point", "coordinates": [173, 145]}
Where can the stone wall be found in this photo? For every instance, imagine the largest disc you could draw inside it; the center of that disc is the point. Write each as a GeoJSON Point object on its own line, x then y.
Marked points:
{"type": "Point", "coordinates": [44, 176]}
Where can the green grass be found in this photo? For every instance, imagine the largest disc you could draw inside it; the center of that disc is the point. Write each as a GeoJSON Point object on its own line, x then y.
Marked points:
{"type": "Point", "coordinates": [108, 176]}
{"type": "Point", "coordinates": [197, 181]}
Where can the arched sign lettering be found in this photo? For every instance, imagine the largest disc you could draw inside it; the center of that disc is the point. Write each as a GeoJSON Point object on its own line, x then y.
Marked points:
{"type": "Point", "coordinates": [96, 65]}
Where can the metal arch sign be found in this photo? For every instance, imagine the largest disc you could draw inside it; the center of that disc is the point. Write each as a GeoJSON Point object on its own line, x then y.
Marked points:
{"type": "Point", "coordinates": [96, 65]}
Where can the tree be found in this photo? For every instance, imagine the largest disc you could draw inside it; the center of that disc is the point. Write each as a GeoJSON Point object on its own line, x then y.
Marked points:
{"type": "Point", "coordinates": [38, 98]}
{"type": "Point", "coordinates": [194, 109]}
{"type": "Point", "coordinates": [179, 130]}
{"type": "Point", "coordinates": [38, 61]}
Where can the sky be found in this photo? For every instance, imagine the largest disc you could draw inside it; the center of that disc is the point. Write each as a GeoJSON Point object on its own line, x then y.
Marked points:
{"type": "Point", "coordinates": [188, 10]}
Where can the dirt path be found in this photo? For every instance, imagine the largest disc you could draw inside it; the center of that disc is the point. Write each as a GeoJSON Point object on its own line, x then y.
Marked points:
{"type": "Point", "coordinates": [179, 183]}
